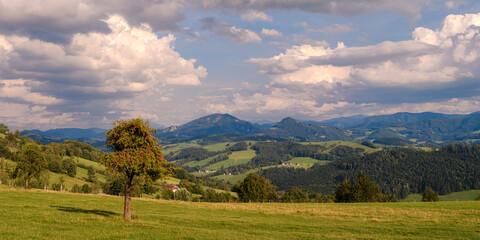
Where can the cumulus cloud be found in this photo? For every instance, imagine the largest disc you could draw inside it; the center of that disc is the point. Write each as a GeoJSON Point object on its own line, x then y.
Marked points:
{"type": "Point", "coordinates": [253, 16]}
{"type": "Point", "coordinates": [59, 20]}
{"type": "Point", "coordinates": [232, 33]}
{"type": "Point", "coordinates": [121, 69]}
{"type": "Point", "coordinates": [435, 66]}
{"type": "Point", "coordinates": [270, 33]}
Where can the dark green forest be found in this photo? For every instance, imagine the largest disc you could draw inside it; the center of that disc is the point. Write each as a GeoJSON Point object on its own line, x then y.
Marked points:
{"type": "Point", "coordinates": [454, 167]}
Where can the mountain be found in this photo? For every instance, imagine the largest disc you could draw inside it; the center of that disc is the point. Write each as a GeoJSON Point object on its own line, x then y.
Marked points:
{"type": "Point", "coordinates": [341, 122]}
{"type": "Point", "coordinates": [94, 136]}
{"type": "Point", "coordinates": [457, 129]}
{"type": "Point", "coordinates": [290, 127]}
{"type": "Point", "coordinates": [75, 133]}
{"type": "Point", "coordinates": [209, 125]}
{"type": "Point", "coordinates": [402, 117]}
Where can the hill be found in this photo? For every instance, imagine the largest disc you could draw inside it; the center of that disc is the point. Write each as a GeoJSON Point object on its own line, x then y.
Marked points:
{"type": "Point", "coordinates": [452, 168]}
{"type": "Point", "coordinates": [210, 125]}
{"type": "Point", "coordinates": [290, 128]}
{"type": "Point", "coordinates": [42, 215]}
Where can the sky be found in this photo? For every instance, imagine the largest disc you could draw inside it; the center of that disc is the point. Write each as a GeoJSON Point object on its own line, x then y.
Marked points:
{"type": "Point", "coordinates": [87, 63]}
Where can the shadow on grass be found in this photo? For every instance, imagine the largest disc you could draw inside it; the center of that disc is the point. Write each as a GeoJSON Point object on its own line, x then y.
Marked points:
{"type": "Point", "coordinates": [88, 211]}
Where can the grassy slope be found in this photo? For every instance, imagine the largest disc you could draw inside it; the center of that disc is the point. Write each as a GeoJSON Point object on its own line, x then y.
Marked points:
{"type": "Point", "coordinates": [236, 158]}
{"type": "Point", "coordinates": [460, 196]}
{"type": "Point", "coordinates": [42, 215]}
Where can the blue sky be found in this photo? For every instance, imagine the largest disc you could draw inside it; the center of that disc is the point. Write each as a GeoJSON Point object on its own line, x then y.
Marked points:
{"type": "Point", "coordinates": [84, 63]}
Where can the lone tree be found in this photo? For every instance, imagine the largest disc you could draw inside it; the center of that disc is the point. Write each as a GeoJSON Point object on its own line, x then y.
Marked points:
{"type": "Point", "coordinates": [135, 153]}
{"type": "Point", "coordinates": [31, 163]}
{"type": "Point", "coordinates": [429, 195]}
{"type": "Point", "coordinates": [256, 189]}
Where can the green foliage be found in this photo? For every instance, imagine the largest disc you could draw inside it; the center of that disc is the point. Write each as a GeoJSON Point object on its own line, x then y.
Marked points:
{"type": "Point", "coordinates": [239, 146]}
{"type": "Point", "coordinates": [167, 194]}
{"type": "Point", "coordinates": [86, 188]}
{"type": "Point", "coordinates": [363, 190]}
{"type": "Point", "coordinates": [136, 152]}
{"type": "Point", "coordinates": [452, 168]}
{"type": "Point", "coordinates": [70, 167]}
{"type": "Point", "coordinates": [295, 195]}
{"type": "Point", "coordinates": [31, 162]}
{"type": "Point", "coordinates": [256, 189]}
{"type": "Point", "coordinates": [478, 197]}
{"type": "Point", "coordinates": [4, 128]}
{"type": "Point", "coordinates": [183, 194]}
{"type": "Point", "coordinates": [429, 195]}
{"type": "Point", "coordinates": [343, 191]}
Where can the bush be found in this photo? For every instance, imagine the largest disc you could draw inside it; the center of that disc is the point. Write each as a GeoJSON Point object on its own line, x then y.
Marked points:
{"type": "Point", "coordinates": [183, 194]}
{"type": "Point", "coordinates": [429, 195]}
{"type": "Point", "coordinates": [256, 189]}
{"type": "Point", "coordinates": [86, 188]}
{"type": "Point", "coordinates": [76, 189]}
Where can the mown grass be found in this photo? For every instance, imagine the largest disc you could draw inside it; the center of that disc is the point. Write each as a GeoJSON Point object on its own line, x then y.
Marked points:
{"type": "Point", "coordinates": [53, 215]}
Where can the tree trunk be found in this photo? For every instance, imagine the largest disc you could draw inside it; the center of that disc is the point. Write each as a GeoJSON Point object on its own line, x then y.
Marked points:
{"type": "Point", "coordinates": [26, 182]}
{"type": "Point", "coordinates": [127, 208]}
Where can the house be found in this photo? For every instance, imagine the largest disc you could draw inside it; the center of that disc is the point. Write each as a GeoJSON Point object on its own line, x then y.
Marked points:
{"type": "Point", "coordinates": [172, 187]}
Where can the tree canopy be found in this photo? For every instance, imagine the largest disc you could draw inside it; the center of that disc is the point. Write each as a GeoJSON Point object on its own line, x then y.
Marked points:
{"type": "Point", "coordinates": [31, 162]}
{"type": "Point", "coordinates": [256, 189]}
{"type": "Point", "coordinates": [136, 153]}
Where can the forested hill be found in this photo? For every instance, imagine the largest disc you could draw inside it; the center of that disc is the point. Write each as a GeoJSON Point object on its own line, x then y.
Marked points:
{"type": "Point", "coordinates": [453, 168]}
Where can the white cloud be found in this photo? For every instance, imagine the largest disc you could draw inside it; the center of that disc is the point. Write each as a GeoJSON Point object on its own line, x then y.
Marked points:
{"type": "Point", "coordinates": [50, 19]}
{"type": "Point", "coordinates": [232, 33]}
{"type": "Point", "coordinates": [413, 75]}
{"type": "Point", "coordinates": [253, 16]}
{"type": "Point", "coordinates": [100, 72]}
{"type": "Point", "coordinates": [270, 33]}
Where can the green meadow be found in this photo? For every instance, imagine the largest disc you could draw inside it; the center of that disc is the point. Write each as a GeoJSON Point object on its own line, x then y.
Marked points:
{"type": "Point", "coordinates": [37, 214]}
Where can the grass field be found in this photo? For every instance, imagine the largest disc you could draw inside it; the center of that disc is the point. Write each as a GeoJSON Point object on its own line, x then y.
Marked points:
{"type": "Point", "coordinates": [456, 196]}
{"type": "Point", "coordinates": [53, 215]}
{"type": "Point", "coordinates": [236, 158]}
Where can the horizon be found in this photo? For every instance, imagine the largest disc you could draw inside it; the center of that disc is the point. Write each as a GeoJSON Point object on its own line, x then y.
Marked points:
{"type": "Point", "coordinates": [83, 64]}
{"type": "Point", "coordinates": [260, 122]}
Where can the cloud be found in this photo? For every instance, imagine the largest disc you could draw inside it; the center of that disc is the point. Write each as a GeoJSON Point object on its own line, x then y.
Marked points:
{"type": "Point", "coordinates": [438, 66]}
{"type": "Point", "coordinates": [125, 69]}
{"type": "Point", "coordinates": [253, 16]}
{"type": "Point", "coordinates": [232, 33]}
{"type": "Point", "coordinates": [270, 33]}
{"type": "Point", "coordinates": [335, 29]}
{"type": "Point", "coordinates": [455, 4]}
{"type": "Point", "coordinates": [59, 20]}
{"type": "Point", "coordinates": [344, 7]}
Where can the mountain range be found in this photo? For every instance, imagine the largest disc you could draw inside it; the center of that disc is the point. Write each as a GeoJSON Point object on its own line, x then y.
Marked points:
{"type": "Point", "coordinates": [421, 128]}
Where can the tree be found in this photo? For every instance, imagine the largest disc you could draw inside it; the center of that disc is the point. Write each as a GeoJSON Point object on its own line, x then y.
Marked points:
{"type": "Point", "coordinates": [4, 128]}
{"type": "Point", "coordinates": [256, 189]}
{"type": "Point", "coordinates": [295, 195]}
{"type": "Point", "coordinates": [364, 190]}
{"type": "Point", "coordinates": [70, 167]}
{"type": "Point", "coordinates": [31, 163]}
{"type": "Point", "coordinates": [343, 191]}
{"type": "Point", "coordinates": [183, 194]}
{"type": "Point", "coordinates": [135, 154]}
{"type": "Point", "coordinates": [429, 195]}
